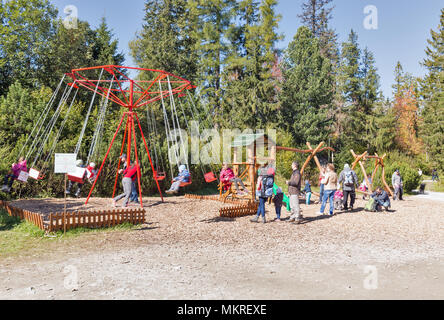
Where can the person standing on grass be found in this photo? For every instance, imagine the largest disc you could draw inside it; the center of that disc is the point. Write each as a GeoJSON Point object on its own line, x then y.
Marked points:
{"type": "Point", "coordinates": [397, 185]}
{"type": "Point", "coordinates": [294, 189]}
{"type": "Point", "coordinates": [349, 181]}
{"type": "Point", "coordinates": [331, 181]}
{"type": "Point", "coordinates": [129, 174]}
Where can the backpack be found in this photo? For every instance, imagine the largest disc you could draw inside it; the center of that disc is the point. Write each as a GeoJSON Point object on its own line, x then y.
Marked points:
{"type": "Point", "coordinates": [267, 186]}
{"type": "Point", "coordinates": [348, 179]}
{"type": "Point", "coordinates": [371, 205]}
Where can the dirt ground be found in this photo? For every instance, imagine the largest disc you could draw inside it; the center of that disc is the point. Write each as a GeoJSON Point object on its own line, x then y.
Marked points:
{"type": "Point", "coordinates": [186, 252]}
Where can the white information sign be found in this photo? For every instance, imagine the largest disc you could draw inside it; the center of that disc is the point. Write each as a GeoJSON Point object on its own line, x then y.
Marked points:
{"type": "Point", "coordinates": [65, 162]}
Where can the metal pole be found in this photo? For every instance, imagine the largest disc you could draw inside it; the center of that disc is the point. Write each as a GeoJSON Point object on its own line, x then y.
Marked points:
{"type": "Point", "coordinates": [64, 209]}
{"type": "Point", "coordinates": [149, 156]}
{"type": "Point", "coordinates": [104, 160]}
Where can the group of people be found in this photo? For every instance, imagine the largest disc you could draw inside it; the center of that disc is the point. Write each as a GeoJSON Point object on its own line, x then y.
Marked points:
{"type": "Point", "coordinates": [337, 191]}
{"type": "Point", "coordinates": [21, 166]}
{"type": "Point", "coordinates": [334, 190]}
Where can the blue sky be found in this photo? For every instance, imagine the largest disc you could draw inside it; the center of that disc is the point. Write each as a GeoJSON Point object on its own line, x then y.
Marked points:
{"type": "Point", "coordinates": [403, 27]}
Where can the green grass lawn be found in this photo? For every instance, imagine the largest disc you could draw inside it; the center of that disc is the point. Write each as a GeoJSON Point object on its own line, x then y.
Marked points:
{"type": "Point", "coordinates": [19, 235]}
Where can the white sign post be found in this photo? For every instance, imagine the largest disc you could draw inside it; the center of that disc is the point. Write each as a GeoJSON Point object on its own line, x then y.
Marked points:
{"type": "Point", "coordinates": [64, 163]}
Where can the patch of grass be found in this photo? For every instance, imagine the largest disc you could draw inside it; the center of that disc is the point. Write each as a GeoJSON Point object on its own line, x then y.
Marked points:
{"type": "Point", "coordinates": [19, 235]}
{"type": "Point", "coordinates": [437, 186]}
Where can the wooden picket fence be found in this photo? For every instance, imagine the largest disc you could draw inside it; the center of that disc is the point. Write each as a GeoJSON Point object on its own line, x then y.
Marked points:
{"type": "Point", "coordinates": [29, 216]}
{"type": "Point", "coordinates": [241, 208]}
{"type": "Point", "coordinates": [94, 219]}
{"type": "Point", "coordinates": [239, 211]}
{"type": "Point", "coordinates": [79, 219]}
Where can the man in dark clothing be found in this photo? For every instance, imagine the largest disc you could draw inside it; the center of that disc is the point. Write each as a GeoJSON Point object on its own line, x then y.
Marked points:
{"type": "Point", "coordinates": [294, 189]}
{"type": "Point", "coordinates": [349, 181]}
{"type": "Point", "coordinates": [382, 199]}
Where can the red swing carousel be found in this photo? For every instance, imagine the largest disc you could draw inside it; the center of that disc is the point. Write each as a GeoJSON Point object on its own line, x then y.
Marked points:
{"type": "Point", "coordinates": [132, 95]}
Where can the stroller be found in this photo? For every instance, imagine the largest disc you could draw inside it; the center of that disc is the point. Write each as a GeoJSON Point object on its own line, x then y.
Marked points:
{"type": "Point", "coordinates": [338, 200]}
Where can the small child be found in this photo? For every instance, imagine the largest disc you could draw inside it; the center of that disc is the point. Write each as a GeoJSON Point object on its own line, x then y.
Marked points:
{"type": "Point", "coordinates": [339, 199]}
{"type": "Point", "coordinates": [363, 188]}
{"type": "Point", "coordinates": [278, 198]}
{"type": "Point", "coordinates": [307, 191]}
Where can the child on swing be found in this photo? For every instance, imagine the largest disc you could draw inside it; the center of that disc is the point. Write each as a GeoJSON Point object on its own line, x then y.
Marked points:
{"type": "Point", "coordinates": [16, 168]}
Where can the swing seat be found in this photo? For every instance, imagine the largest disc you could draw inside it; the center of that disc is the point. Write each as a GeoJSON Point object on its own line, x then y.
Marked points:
{"type": "Point", "coordinates": [159, 176]}
{"type": "Point", "coordinates": [210, 177]}
{"type": "Point", "coordinates": [78, 175]}
{"type": "Point", "coordinates": [23, 176]}
{"type": "Point", "coordinates": [184, 184]}
{"type": "Point", "coordinates": [36, 175]}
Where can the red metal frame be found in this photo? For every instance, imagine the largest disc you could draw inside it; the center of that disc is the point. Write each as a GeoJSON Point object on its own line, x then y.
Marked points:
{"type": "Point", "coordinates": [126, 97]}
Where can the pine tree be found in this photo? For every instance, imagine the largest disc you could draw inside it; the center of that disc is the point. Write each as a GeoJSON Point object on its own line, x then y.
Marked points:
{"type": "Point", "coordinates": [105, 49]}
{"type": "Point", "coordinates": [358, 91]}
{"type": "Point", "coordinates": [399, 78]}
{"type": "Point", "coordinates": [166, 41]}
{"type": "Point", "coordinates": [316, 15]}
{"type": "Point", "coordinates": [307, 90]}
{"type": "Point", "coordinates": [349, 70]}
{"type": "Point", "coordinates": [384, 139]}
{"type": "Point", "coordinates": [211, 24]}
{"type": "Point", "coordinates": [432, 129]}
{"type": "Point", "coordinates": [250, 96]}
{"type": "Point", "coordinates": [370, 82]}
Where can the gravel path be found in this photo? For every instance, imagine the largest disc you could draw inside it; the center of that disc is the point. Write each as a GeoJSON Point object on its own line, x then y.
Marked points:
{"type": "Point", "coordinates": [186, 251]}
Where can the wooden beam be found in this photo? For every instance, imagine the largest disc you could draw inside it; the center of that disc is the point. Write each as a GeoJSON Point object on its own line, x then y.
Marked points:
{"type": "Point", "coordinates": [315, 157]}
{"type": "Point", "coordinates": [313, 153]}
{"type": "Point", "coordinates": [358, 161]}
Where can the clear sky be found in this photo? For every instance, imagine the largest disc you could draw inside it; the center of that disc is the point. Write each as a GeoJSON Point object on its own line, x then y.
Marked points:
{"type": "Point", "coordinates": [403, 27]}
